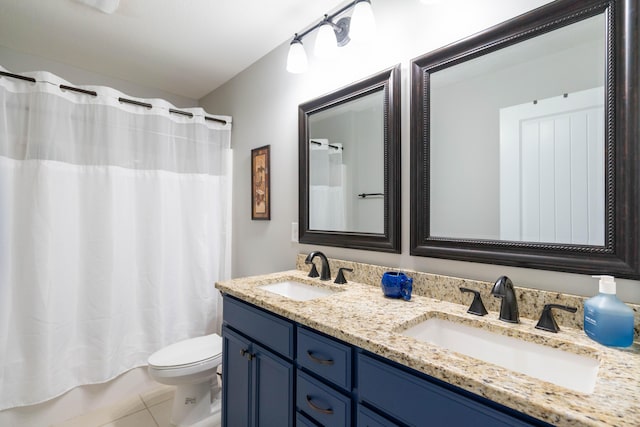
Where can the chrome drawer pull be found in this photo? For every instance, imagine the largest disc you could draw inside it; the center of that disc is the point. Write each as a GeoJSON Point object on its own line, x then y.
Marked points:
{"type": "Point", "coordinates": [317, 408]}
{"type": "Point", "coordinates": [318, 360]}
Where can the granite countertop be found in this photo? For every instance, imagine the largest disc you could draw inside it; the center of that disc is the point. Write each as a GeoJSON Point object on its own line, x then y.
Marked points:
{"type": "Point", "coordinates": [359, 314]}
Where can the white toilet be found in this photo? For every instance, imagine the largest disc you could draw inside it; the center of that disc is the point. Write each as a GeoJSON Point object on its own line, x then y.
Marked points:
{"type": "Point", "coordinates": [191, 366]}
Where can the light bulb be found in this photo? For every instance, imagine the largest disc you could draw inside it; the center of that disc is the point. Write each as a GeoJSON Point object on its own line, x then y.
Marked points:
{"type": "Point", "coordinates": [297, 58]}
{"type": "Point", "coordinates": [326, 42]}
{"type": "Point", "coordinates": [363, 23]}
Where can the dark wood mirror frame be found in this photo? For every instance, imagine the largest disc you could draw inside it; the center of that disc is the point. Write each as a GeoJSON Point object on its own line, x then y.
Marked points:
{"type": "Point", "coordinates": [620, 254]}
{"type": "Point", "coordinates": [387, 81]}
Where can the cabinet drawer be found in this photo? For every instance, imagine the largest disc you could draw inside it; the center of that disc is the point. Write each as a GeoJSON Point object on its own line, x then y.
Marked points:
{"type": "Point", "coordinates": [322, 403]}
{"type": "Point", "coordinates": [414, 400]}
{"type": "Point", "coordinates": [265, 328]}
{"type": "Point", "coordinates": [324, 356]}
{"type": "Point", "coordinates": [302, 421]}
{"type": "Point", "coordinates": [368, 418]}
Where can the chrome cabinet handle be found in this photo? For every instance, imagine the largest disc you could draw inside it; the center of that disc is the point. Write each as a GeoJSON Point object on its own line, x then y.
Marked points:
{"type": "Point", "coordinates": [318, 360]}
{"type": "Point", "coordinates": [328, 411]}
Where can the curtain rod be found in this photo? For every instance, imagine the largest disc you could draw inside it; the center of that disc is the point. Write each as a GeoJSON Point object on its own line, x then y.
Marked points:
{"type": "Point", "coordinates": [337, 147]}
{"type": "Point", "coordinates": [17, 76]}
{"type": "Point", "coordinates": [120, 99]}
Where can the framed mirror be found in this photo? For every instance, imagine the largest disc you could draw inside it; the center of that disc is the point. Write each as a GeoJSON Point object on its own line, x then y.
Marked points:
{"type": "Point", "coordinates": [349, 171]}
{"type": "Point", "coordinates": [524, 142]}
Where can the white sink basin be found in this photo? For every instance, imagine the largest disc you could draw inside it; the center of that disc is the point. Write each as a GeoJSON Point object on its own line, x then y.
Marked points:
{"type": "Point", "coordinates": [568, 370]}
{"type": "Point", "coordinates": [297, 291]}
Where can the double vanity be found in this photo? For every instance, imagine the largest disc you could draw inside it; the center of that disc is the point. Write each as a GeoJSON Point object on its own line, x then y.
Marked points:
{"type": "Point", "coordinates": [302, 351]}
{"type": "Point", "coordinates": [487, 114]}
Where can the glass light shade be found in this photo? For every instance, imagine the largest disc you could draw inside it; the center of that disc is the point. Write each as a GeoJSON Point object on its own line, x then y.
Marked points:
{"type": "Point", "coordinates": [297, 58]}
{"type": "Point", "coordinates": [363, 23]}
{"type": "Point", "coordinates": [326, 42]}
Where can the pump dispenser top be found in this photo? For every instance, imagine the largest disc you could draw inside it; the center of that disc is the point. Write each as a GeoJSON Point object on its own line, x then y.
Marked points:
{"type": "Point", "coordinates": [607, 284]}
{"type": "Point", "coordinates": [608, 320]}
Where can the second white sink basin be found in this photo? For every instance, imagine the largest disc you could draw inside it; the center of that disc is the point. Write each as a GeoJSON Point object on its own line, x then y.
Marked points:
{"type": "Point", "coordinates": [297, 291]}
{"type": "Point", "coordinates": [566, 369]}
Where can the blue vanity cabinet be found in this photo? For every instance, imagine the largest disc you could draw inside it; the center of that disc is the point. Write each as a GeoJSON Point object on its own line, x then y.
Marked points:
{"type": "Point", "coordinates": [278, 373]}
{"type": "Point", "coordinates": [417, 400]}
{"type": "Point", "coordinates": [257, 380]}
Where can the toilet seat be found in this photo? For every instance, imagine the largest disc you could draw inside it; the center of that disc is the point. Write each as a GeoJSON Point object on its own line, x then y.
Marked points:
{"type": "Point", "coordinates": [192, 352]}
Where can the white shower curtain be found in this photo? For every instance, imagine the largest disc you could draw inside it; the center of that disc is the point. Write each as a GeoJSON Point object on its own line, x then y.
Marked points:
{"type": "Point", "coordinates": [114, 226]}
{"type": "Point", "coordinates": [327, 178]}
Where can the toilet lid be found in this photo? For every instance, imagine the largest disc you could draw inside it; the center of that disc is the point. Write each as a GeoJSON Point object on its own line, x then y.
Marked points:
{"type": "Point", "coordinates": [189, 351]}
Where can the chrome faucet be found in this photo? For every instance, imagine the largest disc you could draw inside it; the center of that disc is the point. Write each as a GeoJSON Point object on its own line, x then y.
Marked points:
{"type": "Point", "coordinates": [325, 272]}
{"type": "Point", "coordinates": [503, 288]}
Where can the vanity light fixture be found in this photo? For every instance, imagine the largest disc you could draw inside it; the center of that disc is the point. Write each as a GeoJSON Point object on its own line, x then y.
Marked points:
{"type": "Point", "coordinates": [359, 26]}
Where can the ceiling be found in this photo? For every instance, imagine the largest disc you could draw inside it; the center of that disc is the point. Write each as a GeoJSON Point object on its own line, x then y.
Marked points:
{"type": "Point", "coordinates": [184, 47]}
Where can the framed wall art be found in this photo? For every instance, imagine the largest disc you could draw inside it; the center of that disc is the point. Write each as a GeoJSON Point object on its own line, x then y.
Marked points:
{"type": "Point", "coordinates": [260, 183]}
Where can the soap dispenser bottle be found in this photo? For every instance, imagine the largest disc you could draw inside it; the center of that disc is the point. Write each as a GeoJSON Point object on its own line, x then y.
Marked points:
{"type": "Point", "coordinates": [608, 320]}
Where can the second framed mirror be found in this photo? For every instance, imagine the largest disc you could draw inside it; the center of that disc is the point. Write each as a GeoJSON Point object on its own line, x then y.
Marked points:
{"type": "Point", "coordinates": [524, 142]}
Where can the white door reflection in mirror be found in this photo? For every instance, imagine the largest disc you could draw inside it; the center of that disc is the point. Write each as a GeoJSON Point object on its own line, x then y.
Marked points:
{"type": "Point", "coordinates": [552, 170]}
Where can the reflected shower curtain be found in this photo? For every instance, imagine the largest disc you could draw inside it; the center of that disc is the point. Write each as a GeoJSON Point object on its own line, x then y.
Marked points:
{"type": "Point", "coordinates": [114, 226]}
{"type": "Point", "coordinates": [326, 186]}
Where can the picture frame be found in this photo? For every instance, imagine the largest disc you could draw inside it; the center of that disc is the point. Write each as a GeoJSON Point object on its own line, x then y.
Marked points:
{"type": "Point", "coordinates": [261, 183]}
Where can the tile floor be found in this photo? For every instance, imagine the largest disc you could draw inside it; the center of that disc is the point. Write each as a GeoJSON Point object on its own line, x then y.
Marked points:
{"type": "Point", "coordinates": [150, 409]}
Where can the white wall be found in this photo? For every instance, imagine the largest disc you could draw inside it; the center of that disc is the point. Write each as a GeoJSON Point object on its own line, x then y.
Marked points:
{"type": "Point", "coordinates": [18, 62]}
{"type": "Point", "coordinates": [263, 101]}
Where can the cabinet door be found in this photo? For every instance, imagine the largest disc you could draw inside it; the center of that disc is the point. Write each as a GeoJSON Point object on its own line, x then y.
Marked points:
{"type": "Point", "coordinates": [273, 398]}
{"type": "Point", "coordinates": [236, 379]}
